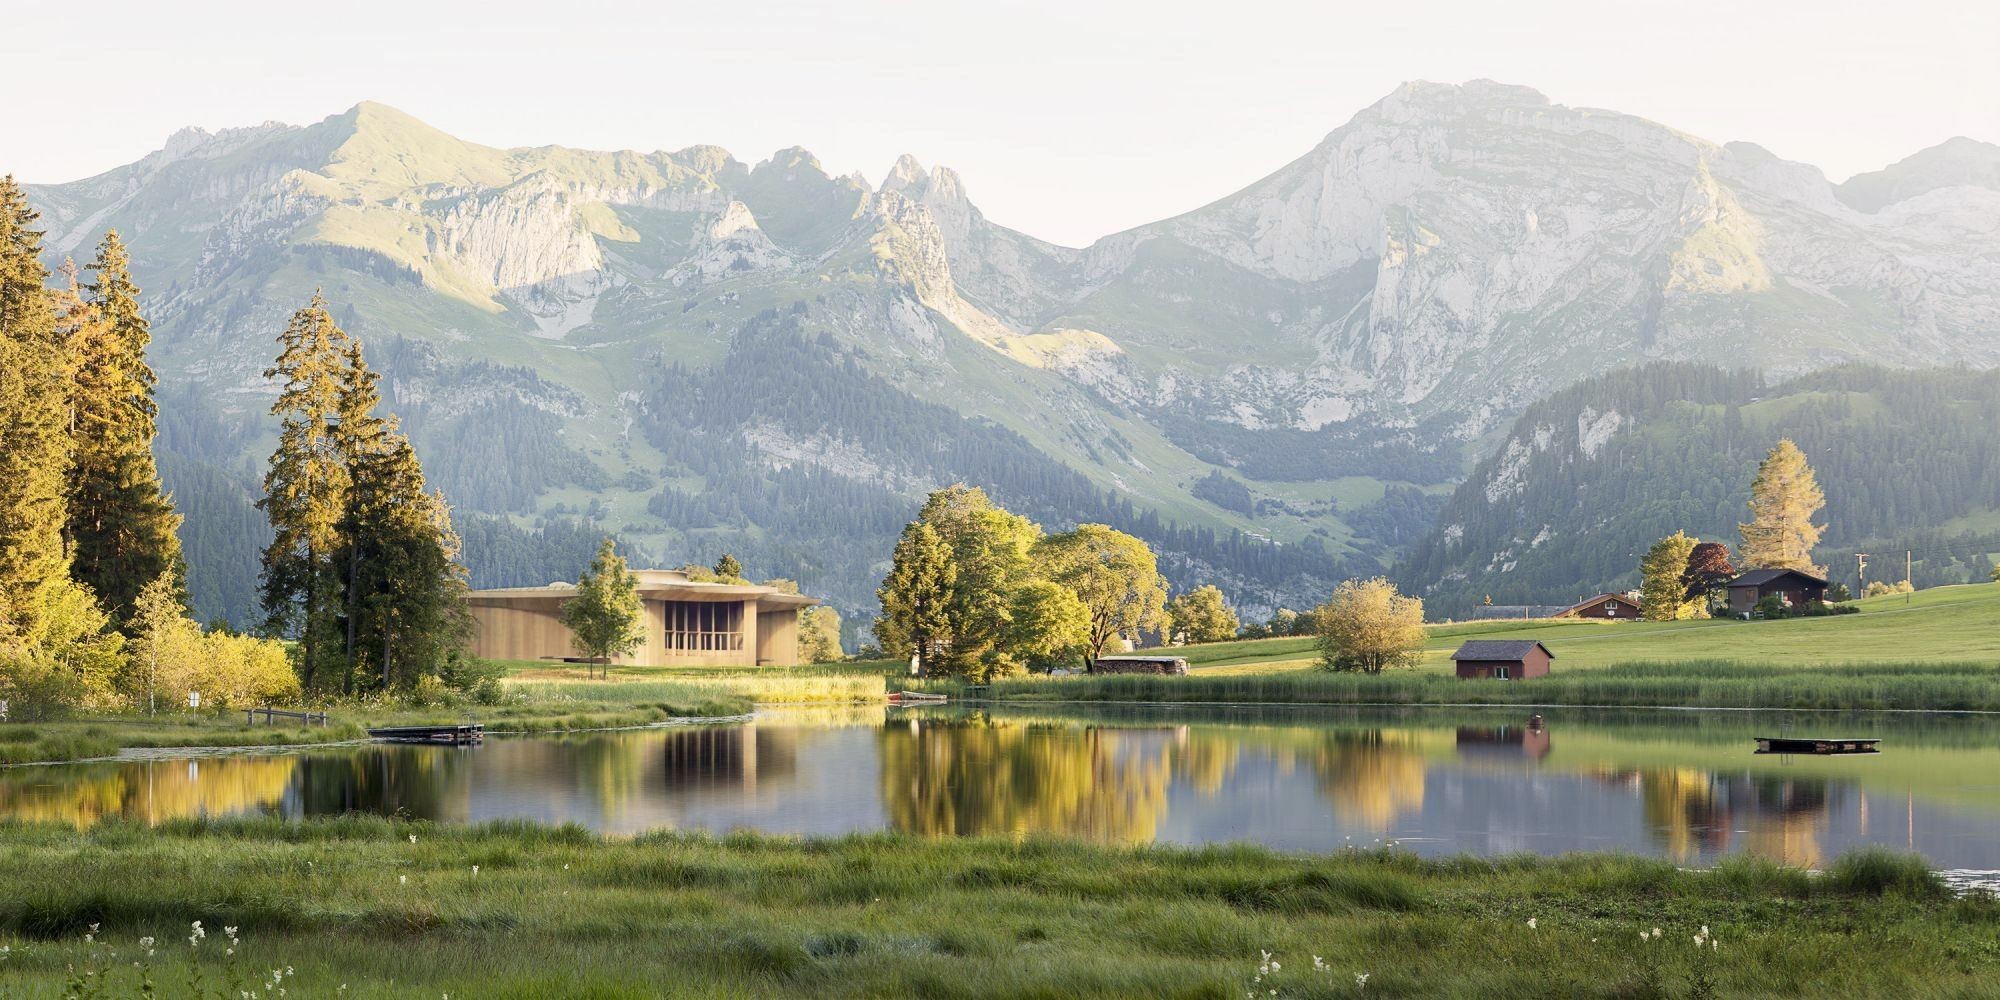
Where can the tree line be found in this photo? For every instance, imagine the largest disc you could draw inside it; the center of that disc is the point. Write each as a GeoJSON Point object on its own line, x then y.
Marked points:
{"type": "Point", "coordinates": [92, 578]}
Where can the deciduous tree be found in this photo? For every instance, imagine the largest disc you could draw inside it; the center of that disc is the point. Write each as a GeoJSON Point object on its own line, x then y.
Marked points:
{"type": "Point", "coordinates": [1663, 583]}
{"type": "Point", "coordinates": [1708, 569]}
{"type": "Point", "coordinates": [1115, 575]}
{"type": "Point", "coordinates": [603, 617]}
{"type": "Point", "coordinates": [1201, 615]}
{"type": "Point", "coordinates": [1368, 627]}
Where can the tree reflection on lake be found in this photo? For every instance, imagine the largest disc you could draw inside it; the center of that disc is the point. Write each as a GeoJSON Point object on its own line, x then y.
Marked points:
{"type": "Point", "coordinates": [1683, 786]}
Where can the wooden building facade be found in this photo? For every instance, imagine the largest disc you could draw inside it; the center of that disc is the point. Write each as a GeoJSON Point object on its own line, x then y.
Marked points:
{"type": "Point", "coordinates": [686, 623]}
{"type": "Point", "coordinates": [1796, 589]}
{"type": "Point", "coordinates": [1502, 659]}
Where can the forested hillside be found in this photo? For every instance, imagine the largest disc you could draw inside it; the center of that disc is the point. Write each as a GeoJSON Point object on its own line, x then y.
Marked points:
{"type": "Point", "coordinates": [1591, 476]}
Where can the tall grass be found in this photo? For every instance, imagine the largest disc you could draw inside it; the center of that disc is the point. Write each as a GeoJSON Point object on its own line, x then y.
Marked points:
{"type": "Point", "coordinates": [388, 908]}
{"type": "Point", "coordinates": [1702, 684]}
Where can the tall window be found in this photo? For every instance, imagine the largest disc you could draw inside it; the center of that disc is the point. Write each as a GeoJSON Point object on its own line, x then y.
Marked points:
{"type": "Point", "coordinates": [703, 626]}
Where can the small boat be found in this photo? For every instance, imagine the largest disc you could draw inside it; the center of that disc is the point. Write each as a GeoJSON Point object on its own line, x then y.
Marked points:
{"type": "Point", "coordinates": [454, 734]}
{"type": "Point", "coordinates": [1814, 744]}
{"type": "Point", "coordinates": [915, 698]}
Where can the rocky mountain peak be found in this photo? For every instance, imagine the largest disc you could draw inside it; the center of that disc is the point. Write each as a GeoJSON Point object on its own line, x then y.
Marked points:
{"type": "Point", "coordinates": [1956, 162]}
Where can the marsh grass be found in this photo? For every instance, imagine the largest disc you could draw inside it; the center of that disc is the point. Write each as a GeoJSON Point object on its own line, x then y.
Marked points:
{"type": "Point", "coordinates": [1702, 684]}
{"type": "Point", "coordinates": [560, 911]}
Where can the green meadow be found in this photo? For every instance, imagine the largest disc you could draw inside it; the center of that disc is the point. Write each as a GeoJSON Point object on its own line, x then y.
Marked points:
{"type": "Point", "coordinates": [371, 907]}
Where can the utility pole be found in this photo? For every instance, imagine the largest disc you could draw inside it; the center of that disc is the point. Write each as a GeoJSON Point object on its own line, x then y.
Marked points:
{"type": "Point", "coordinates": [1906, 575]}
{"type": "Point", "coordinates": [1860, 574]}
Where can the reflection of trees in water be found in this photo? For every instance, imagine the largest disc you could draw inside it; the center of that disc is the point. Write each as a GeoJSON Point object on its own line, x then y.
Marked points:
{"type": "Point", "coordinates": [1372, 775]}
{"type": "Point", "coordinates": [1693, 812]}
{"type": "Point", "coordinates": [1204, 758]}
{"type": "Point", "coordinates": [974, 776]}
{"type": "Point", "coordinates": [147, 791]}
{"type": "Point", "coordinates": [419, 782]}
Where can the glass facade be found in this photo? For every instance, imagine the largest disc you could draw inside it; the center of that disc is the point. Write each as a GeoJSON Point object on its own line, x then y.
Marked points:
{"type": "Point", "coordinates": [703, 626]}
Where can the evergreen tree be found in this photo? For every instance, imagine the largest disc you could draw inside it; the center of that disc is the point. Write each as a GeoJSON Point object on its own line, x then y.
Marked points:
{"type": "Point", "coordinates": [603, 617]}
{"type": "Point", "coordinates": [916, 599]}
{"type": "Point", "coordinates": [123, 531]}
{"type": "Point", "coordinates": [34, 423]}
{"type": "Point", "coordinates": [306, 489]}
{"type": "Point", "coordinates": [728, 570]}
{"type": "Point", "coordinates": [1783, 501]}
{"type": "Point", "coordinates": [1663, 580]}
{"type": "Point", "coordinates": [404, 608]}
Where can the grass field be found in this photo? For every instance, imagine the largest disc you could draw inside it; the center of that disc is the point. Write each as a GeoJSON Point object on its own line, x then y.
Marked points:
{"type": "Point", "coordinates": [366, 907]}
{"type": "Point", "coordinates": [1940, 625]}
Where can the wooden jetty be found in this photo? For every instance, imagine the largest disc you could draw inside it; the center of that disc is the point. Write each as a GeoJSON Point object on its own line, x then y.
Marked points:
{"type": "Point", "coordinates": [1815, 744]}
{"type": "Point", "coordinates": [457, 734]}
{"type": "Point", "coordinates": [250, 716]}
{"type": "Point", "coordinates": [915, 698]}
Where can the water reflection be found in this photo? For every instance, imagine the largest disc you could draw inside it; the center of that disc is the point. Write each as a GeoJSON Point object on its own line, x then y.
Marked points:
{"type": "Point", "coordinates": [1685, 787]}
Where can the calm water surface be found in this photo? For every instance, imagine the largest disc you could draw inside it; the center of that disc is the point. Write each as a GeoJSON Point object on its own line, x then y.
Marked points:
{"type": "Point", "coordinates": [1681, 785]}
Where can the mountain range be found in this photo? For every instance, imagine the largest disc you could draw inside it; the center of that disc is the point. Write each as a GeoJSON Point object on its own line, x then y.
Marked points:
{"type": "Point", "coordinates": [1278, 389]}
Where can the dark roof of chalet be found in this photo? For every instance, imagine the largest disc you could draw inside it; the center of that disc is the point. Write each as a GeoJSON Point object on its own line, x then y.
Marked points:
{"type": "Point", "coordinates": [1760, 577]}
{"type": "Point", "coordinates": [1600, 599]}
{"type": "Point", "coordinates": [1499, 649]}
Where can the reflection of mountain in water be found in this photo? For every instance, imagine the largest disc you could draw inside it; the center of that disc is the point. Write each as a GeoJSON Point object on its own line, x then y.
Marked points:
{"type": "Point", "coordinates": [1692, 812]}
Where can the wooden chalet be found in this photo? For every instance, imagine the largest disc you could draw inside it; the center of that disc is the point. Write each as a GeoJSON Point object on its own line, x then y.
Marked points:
{"type": "Point", "coordinates": [1609, 607]}
{"type": "Point", "coordinates": [1795, 588]}
{"type": "Point", "coordinates": [1502, 659]}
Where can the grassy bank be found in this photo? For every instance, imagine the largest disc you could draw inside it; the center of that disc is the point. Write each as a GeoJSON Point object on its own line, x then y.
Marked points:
{"type": "Point", "coordinates": [521, 911]}
{"type": "Point", "coordinates": [1718, 684]}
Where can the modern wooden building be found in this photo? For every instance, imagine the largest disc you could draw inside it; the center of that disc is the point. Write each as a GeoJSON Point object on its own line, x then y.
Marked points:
{"type": "Point", "coordinates": [1796, 589]}
{"type": "Point", "coordinates": [1502, 659]}
{"type": "Point", "coordinates": [686, 623]}
{"type": "Point", "coordinates": [1610, 607]}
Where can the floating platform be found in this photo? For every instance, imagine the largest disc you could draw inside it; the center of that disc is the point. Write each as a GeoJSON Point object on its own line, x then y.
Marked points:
{"type": "Point", "coordinates": [1814, 744]}
{"type": "Point", "coordinates": [915, 698]}
{"type": "Point", "coordinates": [451, 735]}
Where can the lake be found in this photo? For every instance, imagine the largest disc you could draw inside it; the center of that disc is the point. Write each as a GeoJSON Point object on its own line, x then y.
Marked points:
{"type": "Point", "coordinates": [1439, 781]}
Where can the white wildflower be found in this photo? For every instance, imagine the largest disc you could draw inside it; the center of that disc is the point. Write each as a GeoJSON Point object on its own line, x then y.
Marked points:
{"type": "Point", "coordinates": [1361, 980]}
{"type": "Point", "coordinates": [1531, 923]}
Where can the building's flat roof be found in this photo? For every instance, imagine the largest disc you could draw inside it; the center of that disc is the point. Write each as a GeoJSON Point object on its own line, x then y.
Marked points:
{"type": "Point", "coordinates": [661, 585]}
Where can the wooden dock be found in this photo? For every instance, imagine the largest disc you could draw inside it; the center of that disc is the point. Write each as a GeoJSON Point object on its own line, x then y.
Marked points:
{"type": "Point", "coordinates": [458, 734]}
{"type": "Point", "coordinates": [1815, 744]}
{"type": "Point", "coordinates": [915, 698]}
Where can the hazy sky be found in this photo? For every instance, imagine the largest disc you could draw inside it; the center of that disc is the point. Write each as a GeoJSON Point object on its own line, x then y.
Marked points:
{"type": "Point", "coordinates": [1068, 120]}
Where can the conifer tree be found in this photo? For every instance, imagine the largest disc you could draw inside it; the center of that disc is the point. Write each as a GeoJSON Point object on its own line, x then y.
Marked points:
{"type": "Point", "coordinates": [1783, 502]}
{"type": "Point", "coordinates": [405, 599]}
{"type": "Point", "coordinates": [727, 569]}
{"type": "Point", "coordinates": [306, 489]}
{"type": "Point", "coordinates": [122, 529]}
{"type": "Point", "coordinates": [34, 431]}
{"type": "Point", "coordinates": [916, 598]}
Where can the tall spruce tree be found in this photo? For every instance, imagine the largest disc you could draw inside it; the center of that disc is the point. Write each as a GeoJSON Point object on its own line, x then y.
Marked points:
{"type": "Point", "coordinates": [916, 597]}
{"type": "Point", "coordinates": [1784, 499]}
{"type": "Point", "coordinates": [306, 489]}
{"type": "Point", "coordinates": [123, 532]}
{"type": "Point", "coordinates": [404, 607]}
{"type": "Point", "coordinates": [34, 422]}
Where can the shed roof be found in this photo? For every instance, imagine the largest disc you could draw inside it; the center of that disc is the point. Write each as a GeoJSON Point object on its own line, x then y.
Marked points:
{"type": "Point", "coordinates": [1760, 577]}
{"type": "Point", "coordinates": [1499, 649]}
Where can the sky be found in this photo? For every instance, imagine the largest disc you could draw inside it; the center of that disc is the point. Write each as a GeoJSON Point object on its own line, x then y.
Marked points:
{"type": "Point", "coordinates": [1067, 120]}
